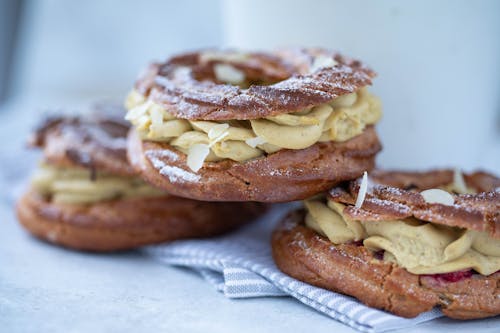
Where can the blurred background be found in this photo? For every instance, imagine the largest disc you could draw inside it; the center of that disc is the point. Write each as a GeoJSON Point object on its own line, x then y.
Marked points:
{"type": "Point", "coordinates": [438, 61]}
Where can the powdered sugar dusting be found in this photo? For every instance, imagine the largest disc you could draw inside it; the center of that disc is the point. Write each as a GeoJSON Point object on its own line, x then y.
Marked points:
{"type": "Point", "coordinates": [190, 97]}
{"type": "Point", "coordinates": [157, 154]}
{"type": "Point", "coordinates": [284, 172]}
{"type": "Point", "coordinates": [106, 140]}
{"type": "Point", "coordinates": [391, 205]}
{"type": "Point", "coordinates": [390, 190]}
{"type": "Point", "coordinates": [174, 174]}
{"type": "Point", "coordinates": [468, 211]}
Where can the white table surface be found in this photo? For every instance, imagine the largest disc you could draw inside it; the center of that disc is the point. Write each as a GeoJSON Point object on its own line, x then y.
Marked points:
{"type": "Point", "coordinates": [47, 289]}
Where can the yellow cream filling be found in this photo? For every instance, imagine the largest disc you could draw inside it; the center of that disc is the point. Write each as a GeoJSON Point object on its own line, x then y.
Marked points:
{"type": "Point", "coordinates": [75, 186]}
{"type": "Point", "coordinates": [418, 246]}
{"type": "Point", "coordinates": [241, 140]}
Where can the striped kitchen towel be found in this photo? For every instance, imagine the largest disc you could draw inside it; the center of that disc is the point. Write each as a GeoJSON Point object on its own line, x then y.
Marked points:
{"type": "Point", "coordinates": [240, 265]}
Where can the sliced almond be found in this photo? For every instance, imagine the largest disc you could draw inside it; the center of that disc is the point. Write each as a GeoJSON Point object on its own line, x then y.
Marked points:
{"type": "Point", "coordinates": [322, 62]}
{"type": "Point", "coordinates": [156, 116]}
{"type": "Point", "coordinates": [217, 130]}
{"type": "Point", "coordinates": [197, 155]}
{"type": "Point", "coordinates": [254, 142]}
{"type": "Point", "coordinates": [435, 195]}
{"type": "Point", "coordinates": [229, 74]}
{"type": "Point", "coordinates": [363, 188]}
{"type": "Point", "coordinates": [137, 111]}
{"type": "Point", "coordinates": [459, 182]}
{"type": "Point", "coordinates": [218, 139]}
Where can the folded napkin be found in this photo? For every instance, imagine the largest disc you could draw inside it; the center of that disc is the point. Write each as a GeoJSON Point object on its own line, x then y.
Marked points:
{"type": "Point", "coordinates": [240, 265]}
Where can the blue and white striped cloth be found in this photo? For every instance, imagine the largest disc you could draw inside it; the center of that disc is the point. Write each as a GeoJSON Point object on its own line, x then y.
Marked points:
{"type": "Point", "coordinates": [240, 266]}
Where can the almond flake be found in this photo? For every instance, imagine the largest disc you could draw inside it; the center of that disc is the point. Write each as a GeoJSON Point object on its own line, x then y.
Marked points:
{"type": "Point", "coordinates": [219, 138]}
{"type": "Point", "coordinates": [217, 130]}
{"type": "Point", "coordinates": [229, 74]}
{"type": "Point", "coordinates": [196, 156]}
{"type": "Point", "coordinates": [435, 195]}
{"type": "Point", "coordinates": [156, 116]}
{"type": "Point", "coordinates": [459, 182]}
{"type": "Point", "coordinates": [363, 187]}
{"type": "Point", "coordinates": [138, 111]}
{"type": "Point", "coordinates": [254, 142]}
{"type": "Point", "coordinates": [322, 62]}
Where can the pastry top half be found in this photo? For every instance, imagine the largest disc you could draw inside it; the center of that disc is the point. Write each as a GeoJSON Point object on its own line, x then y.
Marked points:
{"type": "Point", "coordinates": [94, 141]}
{"type": "Point", "coordinates": [214, 105]}
{"type": "Point", "coordinates": [85, 159]}
{"type": "Point", "coordinates": [434, 222]}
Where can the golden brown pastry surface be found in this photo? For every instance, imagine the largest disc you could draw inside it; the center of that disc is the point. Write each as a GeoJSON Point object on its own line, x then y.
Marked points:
{"type": "Point", "coordinates": [286, 175]}
{"type": "Point", "coordinates": [130, 223]}
{"type": "Point", "coordinates": [354, 270]}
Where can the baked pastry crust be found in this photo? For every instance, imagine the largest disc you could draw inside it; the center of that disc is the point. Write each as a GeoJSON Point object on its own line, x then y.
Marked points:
{"type": "Point", "coordinates": [187, 87]}
{"type": "Point", "coordinates": [129, 223]}
{"type": "Point", "coordinates": [480, 212]}
{"type": "Point", "coordinates": [480, 181]}
{"type": "Point", "coordinates": [353, 270]}
{"type": "Point", "coordinates": [96, 141]}
{"type": "Point", "coordinates": [286, 175]}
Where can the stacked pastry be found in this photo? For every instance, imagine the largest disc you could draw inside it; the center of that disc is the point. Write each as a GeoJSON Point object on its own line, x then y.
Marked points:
{"type": "Point", "coordinates": [295, 124]}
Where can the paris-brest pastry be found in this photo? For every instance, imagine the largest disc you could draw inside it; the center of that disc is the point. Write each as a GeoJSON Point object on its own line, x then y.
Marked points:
{"type": "Point", "coordinates": [84, 195]}
{"type": "Point", "coordinates": [404, 242]}
{"type": "Point", "coordinates": [269, 127]}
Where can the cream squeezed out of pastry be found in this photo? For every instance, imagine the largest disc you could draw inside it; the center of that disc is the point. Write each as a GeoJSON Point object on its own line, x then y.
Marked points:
{"type": "Point", "coordinates": [241, 140]}
{"type": "Point", "coordinates": [76, 186]}
{"type": "Point", "coordinates": [420, 247]}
